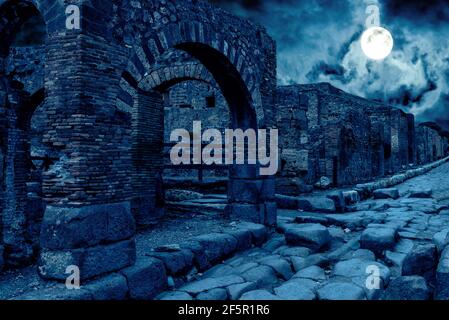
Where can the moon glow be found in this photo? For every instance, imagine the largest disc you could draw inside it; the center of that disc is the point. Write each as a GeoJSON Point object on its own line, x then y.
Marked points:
{"type": "Point", "coordinates": [377, 43]}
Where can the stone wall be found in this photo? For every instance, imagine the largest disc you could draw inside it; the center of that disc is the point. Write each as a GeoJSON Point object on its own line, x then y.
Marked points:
{"type": "Point", "coordinates": [334, 138]}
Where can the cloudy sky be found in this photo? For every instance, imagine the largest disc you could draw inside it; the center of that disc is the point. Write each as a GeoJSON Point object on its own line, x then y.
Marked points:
{"type": "Point", "coordinates": [318, 40]}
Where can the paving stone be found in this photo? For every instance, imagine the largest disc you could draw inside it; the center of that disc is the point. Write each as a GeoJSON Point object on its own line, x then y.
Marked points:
{"type": "Point", "coordinates": [378, 239]}
{"type": "Point", "coordinates": [220, 270]}
{"type": "Point", "coordinates": [294, 290]}
{"type": "Point", "coordinates": [359, 270]}
{"type": "Point", "coordinates": [293, 251]}
{"type": "Point", "coordinates": [421, 261]}
{"type": "Point", "coordinates": [391, 193]}
{"type": "Point", "coordinates": [263, 276]}
{"type": "Point", "coordinates": [341, 291]}
{"type": "Point", "coordinates": [245, 267]}
{"type": "Point", "coordinates": [441, 239]}
{"type": "Point", "coordinates": [175, 296]}
{"type": "Point", "coordinates": [281, 266]}
{"type": "Point", "coordinates": [312, 236]}
{"type": "Point", "coordinates": [395, 258]}
{"type": "Point", "coordinates": [363, 254]}
{"type": "Point", "coordinates": [442, 276]}
{"type": "Point", "coordinates": [313, 273]}
{"type": "Point", "coordinates": [213, 294]}
{"type": "Point", "coordinates": [199, 286]}
{"type": "Point", "coordinates": [235, 291]}
{"type": "Point", "coordinates": [262, 295]}
{"type": "Point", "coordinates": [407, 288]}
{"type": "Point", "coordinates": [300, 263]}
{"type": "Point", "coordinates": [274, 243]}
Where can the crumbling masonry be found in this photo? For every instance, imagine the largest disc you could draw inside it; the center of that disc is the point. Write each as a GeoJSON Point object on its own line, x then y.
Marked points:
{"type": "Point", "coordinates": [82, 125]}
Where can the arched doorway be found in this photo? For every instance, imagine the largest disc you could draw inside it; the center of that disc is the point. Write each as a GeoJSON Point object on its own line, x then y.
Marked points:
{"type": "Point", "coordinates": [247, 190]}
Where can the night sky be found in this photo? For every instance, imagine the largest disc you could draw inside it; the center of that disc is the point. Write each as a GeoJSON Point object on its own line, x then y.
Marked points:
{"type": "Point", "coordinates": [318, 41]}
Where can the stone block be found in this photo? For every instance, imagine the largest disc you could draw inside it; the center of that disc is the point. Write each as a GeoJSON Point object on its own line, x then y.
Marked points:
{"type": "Point", "coordinates": [312, 236]}
{"type": "Point", "coordinates": [146, 279]}
{"type": "Point", "coordinates": [246, 212]}
{"type": "Point", "coordinates": [92, 262]}
{"type": "Point", "coordinates": [72, 228]}
{"type": "Point", "coordinates": [378, 239]}
{"type": "Point", "coordinates": [111, 287]}
{"type": "Point", "coordinates": [217, 246]}
{"type": "Point", "coordinates": [177, 262]}
{"type": "Point", "coordinates": [407, 288]}
{"type": "Point", "coordinates": [390, 193]}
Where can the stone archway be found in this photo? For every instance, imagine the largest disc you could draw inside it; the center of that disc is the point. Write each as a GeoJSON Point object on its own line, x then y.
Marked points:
{"type": "Point", "coordinates": [247, 192]}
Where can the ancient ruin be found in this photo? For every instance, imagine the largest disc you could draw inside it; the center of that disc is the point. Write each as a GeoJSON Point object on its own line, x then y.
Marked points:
{"type": "Point", "coordinates": [85, 120]}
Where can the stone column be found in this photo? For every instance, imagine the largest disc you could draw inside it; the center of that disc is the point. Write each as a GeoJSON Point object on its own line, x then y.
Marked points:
{"type": "Point", "coordinates": [147, 157]}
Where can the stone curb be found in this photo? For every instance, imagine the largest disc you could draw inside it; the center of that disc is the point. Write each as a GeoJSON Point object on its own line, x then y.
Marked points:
{"type": "Point", "coordinates": [366, 190]}
{"type": "Point", "coordinates": [152, 274]}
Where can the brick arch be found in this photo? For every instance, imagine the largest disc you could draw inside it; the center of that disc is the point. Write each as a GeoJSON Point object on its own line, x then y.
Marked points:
{"type": "Point", "coordinates": [196, 36]}
{"type": "Point", "coordinates": [229, 67]}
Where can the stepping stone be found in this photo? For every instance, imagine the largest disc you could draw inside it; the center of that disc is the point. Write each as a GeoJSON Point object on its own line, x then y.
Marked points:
{"type": "Point", "coordinates": [259, 295]}
{"type": "Point", "coordinates": [295, 290]}
{"type": "Point", "coordinates": [378, 239]}
{"type": "Point", "coordinates": [312, 236]}
{"type": "Point", "coordinates": [407, 288]}
{"type": "Point", "coordinates": [421, 193]}
{"type": "Point", "coordinates": [391, 193]}
{"type": "Point", "coordinates": [313, 273]}
{"type": "Point", "coordinates": [341, 291]}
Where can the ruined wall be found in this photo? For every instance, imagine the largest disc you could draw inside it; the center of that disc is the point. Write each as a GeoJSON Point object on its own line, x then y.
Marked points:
{"type": "Point", "coordinates": [346, 139]}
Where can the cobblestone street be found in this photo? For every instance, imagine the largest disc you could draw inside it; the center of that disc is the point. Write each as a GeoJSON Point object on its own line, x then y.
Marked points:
{"type": "Point", "coordinates": [331, 256]}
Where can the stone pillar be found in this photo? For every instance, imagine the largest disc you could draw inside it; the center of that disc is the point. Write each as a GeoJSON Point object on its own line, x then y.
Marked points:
{"type": "Point", "coordinates": [147, 157]}
{"type": "Point", "coordinates": [88, 221]}
{"type": "Point", "coordinates": [252, 200]}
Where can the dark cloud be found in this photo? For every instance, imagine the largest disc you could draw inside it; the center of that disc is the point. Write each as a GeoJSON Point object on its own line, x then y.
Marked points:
{"type": "Point", "coordinates": [318, 40]}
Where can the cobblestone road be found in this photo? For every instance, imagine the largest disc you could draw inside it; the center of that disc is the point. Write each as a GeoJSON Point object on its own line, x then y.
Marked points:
{"type": "Point", "coordinates": [392, 247]}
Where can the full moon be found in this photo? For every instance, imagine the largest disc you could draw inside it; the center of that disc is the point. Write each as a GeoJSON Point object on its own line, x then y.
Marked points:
{"type": "Point", "coordinates": [377, 43]}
